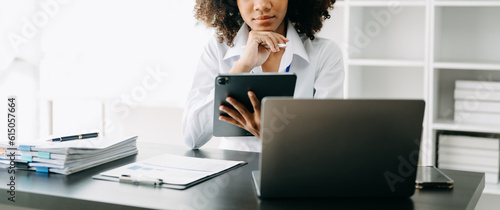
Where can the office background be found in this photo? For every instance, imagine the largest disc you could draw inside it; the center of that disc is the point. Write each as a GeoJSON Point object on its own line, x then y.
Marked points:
{"type": "Point", "coordinates": [125, 67]}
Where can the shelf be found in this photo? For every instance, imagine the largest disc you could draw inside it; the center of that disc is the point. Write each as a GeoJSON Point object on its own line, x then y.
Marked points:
{"type": "Point", "coordinates": [417, 50]}
{"type": "Point", "coordinates": [467, 34]}
{"type": "Point", "coordinates": [375, 82]}
{"type": "Point", "coordinates": [380, 33]}
{"type": "Point", "coordinates": [467, 3]}
{"type": "Point", "coordinates": [382, 62]}
{"type": "Point", "coordinates": [443, 101]}
{"type": "Point", "coordinates": [467, 66]}
{"type": "Point", "coordinates": [386, 3]}
{"type": "Point", "coordinates": [451, 125]}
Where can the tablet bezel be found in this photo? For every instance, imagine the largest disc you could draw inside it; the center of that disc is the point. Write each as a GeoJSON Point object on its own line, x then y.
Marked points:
{"type": "Point", "coordinates": [237, 85]}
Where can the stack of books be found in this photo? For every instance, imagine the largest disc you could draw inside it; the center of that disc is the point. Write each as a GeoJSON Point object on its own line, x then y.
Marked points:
{"type": "Point", "coordinates": [477, 102]}
{"type": "Point", "coordinates": [67, 157]}
{"type": "Point", "coordinates": [470, 153]}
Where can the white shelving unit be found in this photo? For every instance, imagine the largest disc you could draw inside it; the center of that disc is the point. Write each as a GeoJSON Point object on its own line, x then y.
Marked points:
{"type": "Point", "coordinates": [416, 49]}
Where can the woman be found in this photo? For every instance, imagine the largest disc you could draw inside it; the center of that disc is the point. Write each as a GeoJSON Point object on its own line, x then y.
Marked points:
{"type": "Point", "coordinates": [249, 33]}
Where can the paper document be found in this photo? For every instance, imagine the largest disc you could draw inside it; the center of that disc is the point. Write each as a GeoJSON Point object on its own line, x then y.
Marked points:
{"type": "Point", "coordinates": [173, 169]}
{"type": "Point", "coordinates": [77, 146]}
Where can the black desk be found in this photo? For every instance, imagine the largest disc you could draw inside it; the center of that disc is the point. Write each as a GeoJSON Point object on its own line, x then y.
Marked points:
{"type": "Point", "coordinates": [232, 190]}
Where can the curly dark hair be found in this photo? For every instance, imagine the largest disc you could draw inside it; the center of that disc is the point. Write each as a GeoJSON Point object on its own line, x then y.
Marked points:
{"type": "Point", "coordinates": [306, 15]}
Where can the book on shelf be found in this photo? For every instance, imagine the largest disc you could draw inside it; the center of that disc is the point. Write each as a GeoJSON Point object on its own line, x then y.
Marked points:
{"type": "Point", "coordinates": [445, 149]}
{"type": "Point", "coordinates": [491, 174]}
{"type": "Point", "coordinates": [477, 117]}
{"type": "Point", "coordinates": [477, 85]}
{"type": "Point", "coordinates": [466, 167]}
{"type": "Point", "coordinates": [470, 142]}
{"type": "Point", "coordinates": [469, 159]}
{"type": "Point", "coordinates": [477, 102]}
{"type": "Point", "coordinates": [469, 152]}
{"type": "Point", "coordinates": [477, 106]}
{"type": "Point", "coordinates": [479, 95]}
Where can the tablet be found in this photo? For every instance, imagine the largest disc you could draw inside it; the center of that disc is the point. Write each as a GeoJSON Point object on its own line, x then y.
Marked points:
{"type": "Point", "coordinates": [237, 87]}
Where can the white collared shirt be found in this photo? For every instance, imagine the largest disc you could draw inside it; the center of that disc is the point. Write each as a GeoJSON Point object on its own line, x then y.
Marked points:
{"type": "Point", "coordinates": [317, 63]}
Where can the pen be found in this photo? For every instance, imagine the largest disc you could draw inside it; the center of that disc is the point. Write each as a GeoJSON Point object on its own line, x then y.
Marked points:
{"type": "Point", "coordinates": [140, 180]}
{"type": "Point", "coordinates": [75, 137]}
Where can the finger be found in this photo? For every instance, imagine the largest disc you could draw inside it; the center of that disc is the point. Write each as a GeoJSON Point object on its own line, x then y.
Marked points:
{"type": "Point", "coordinates": [255, 102]}
{"type": "Point", "coordinates": [262, 44]}
{"type": "Point", "coordinates": [239, 107]}
{"type": "Point", "coordinates": [272, 43]}
{"type": "Point", "coordinates": [258, 35]}
{"type": "Point", "coordinates": [276, 40]}
{"type": "Point", "coordinates": [233, 114]}
{"type": "Point", "coordinates": [269, 40]}
{"type": "Point", "coordinates": [231, 120]}
{"type": "Point", "coordinates": [282, 38]}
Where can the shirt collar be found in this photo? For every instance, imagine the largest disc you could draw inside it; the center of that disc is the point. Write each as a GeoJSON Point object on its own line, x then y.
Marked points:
{"type": "Point", "coordinates": [295, 44]}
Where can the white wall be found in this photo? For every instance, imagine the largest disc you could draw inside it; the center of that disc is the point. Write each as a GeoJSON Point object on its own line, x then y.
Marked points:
{"type": "Point", "coordinates": [114, 65]}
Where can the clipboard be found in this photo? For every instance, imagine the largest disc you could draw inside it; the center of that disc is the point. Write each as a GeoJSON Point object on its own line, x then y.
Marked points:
{"type": "Point", "coordinates": [169, 171]}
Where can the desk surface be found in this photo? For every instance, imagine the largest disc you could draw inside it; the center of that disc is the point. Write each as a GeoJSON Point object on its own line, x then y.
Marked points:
{"type": "Point", "coordinates": [232, 190]}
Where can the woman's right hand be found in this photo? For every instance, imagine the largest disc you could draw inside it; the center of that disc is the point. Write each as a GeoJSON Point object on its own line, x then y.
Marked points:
{"type": "Point", "coordinates": [256, 53]}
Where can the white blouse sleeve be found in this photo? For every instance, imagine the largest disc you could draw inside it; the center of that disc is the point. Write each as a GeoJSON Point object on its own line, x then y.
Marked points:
{"type": "Point", "coordinates": [329, 82]}
{"type": "Point", "coordinates": [197, 120]}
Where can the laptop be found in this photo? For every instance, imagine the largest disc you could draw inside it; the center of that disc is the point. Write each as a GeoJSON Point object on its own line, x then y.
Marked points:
{"type": "Point", "coordinates": [339, 148]}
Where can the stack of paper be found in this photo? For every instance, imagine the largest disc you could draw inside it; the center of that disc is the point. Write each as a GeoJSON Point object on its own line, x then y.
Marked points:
{"type": "Point", "coordinates": [477, 102]}
{"type": "Point", "coordinates": [68, 157]}
{"type": "Point", "coordinates": [469, 153]}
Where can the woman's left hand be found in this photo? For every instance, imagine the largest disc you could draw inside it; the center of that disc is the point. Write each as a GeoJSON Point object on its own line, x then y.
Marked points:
{"type": "Point", "coordinates": [241, 116]}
